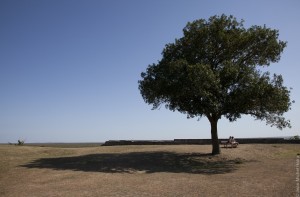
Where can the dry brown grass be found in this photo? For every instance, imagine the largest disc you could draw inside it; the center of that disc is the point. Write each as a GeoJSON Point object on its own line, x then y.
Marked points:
{"type": "Point", "coordinates": [180, 170]}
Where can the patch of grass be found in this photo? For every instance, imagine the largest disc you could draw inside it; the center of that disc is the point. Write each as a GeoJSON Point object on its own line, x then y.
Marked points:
{"type": "Point", "coordinates": [65, 145]}
{"type": "Point", "coordinates": [290, 151]}
{"type": "Point", "coordinates": [238, 161]}
{"type": "Point", "coordinates": [150, 162]}
{"type": "Point", "coordinates": [181, 170]}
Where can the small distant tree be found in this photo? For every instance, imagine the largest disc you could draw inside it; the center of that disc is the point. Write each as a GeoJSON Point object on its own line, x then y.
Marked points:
{"type": "Point", "coordinates": [21, 142]}
{"type": "Point", "coordinates": [296, 137]}
{"type": "Point", "coordinates": [213, 71]}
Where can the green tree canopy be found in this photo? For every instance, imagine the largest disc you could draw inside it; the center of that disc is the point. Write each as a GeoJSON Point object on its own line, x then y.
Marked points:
{"type": "Point", "coordinates": [213, 71]}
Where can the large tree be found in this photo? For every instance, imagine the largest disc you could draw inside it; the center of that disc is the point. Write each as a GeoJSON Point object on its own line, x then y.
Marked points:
{"type": "Point", "coordinates": [213, 71]}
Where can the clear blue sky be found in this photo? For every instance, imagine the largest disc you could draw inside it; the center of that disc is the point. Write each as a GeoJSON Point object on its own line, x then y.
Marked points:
{"type": "Point", "coordinates": [69, 68]}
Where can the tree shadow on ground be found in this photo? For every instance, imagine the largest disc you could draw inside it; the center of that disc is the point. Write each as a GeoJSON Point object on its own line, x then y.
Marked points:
{"type": "Point", "coordinates": [148, 162]}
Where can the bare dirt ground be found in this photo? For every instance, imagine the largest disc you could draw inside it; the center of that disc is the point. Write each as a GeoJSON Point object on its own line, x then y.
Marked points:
{"type": "Point", "coordinates": [178, 170]}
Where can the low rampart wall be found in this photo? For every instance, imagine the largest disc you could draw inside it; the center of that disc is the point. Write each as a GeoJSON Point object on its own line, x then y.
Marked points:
{"type": "Point", "coordinates": [199, 141]}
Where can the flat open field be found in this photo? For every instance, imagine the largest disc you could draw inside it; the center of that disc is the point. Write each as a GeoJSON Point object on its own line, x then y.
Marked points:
{"type": "Point", "coordinates": [177, 170]}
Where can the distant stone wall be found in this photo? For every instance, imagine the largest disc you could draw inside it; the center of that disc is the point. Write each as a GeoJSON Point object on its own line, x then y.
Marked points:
{"type": "Point", "coordinates": [192, 141]}
{"type": "Point", "coordinates": [266, 141]}
{"type": "Point", "coordinates": [199, 141]}
{"type": "Point", "coordinates": [240, 140]}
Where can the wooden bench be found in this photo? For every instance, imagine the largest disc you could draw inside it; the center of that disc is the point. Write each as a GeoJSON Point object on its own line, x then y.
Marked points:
{"type": "Point", "coordinates": [232, 144]}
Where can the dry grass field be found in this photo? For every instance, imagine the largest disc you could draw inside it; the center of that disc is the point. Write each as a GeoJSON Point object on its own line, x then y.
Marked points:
{"type": "Point", "coordinates": [178, 170]}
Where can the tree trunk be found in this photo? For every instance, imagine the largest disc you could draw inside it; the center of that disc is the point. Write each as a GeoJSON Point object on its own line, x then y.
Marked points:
{"type": "Point", "coordinates": [214, 136]}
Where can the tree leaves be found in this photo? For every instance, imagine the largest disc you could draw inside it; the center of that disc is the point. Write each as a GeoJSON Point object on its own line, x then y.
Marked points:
{"type": "Point", "coordinates": [212, 71]}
